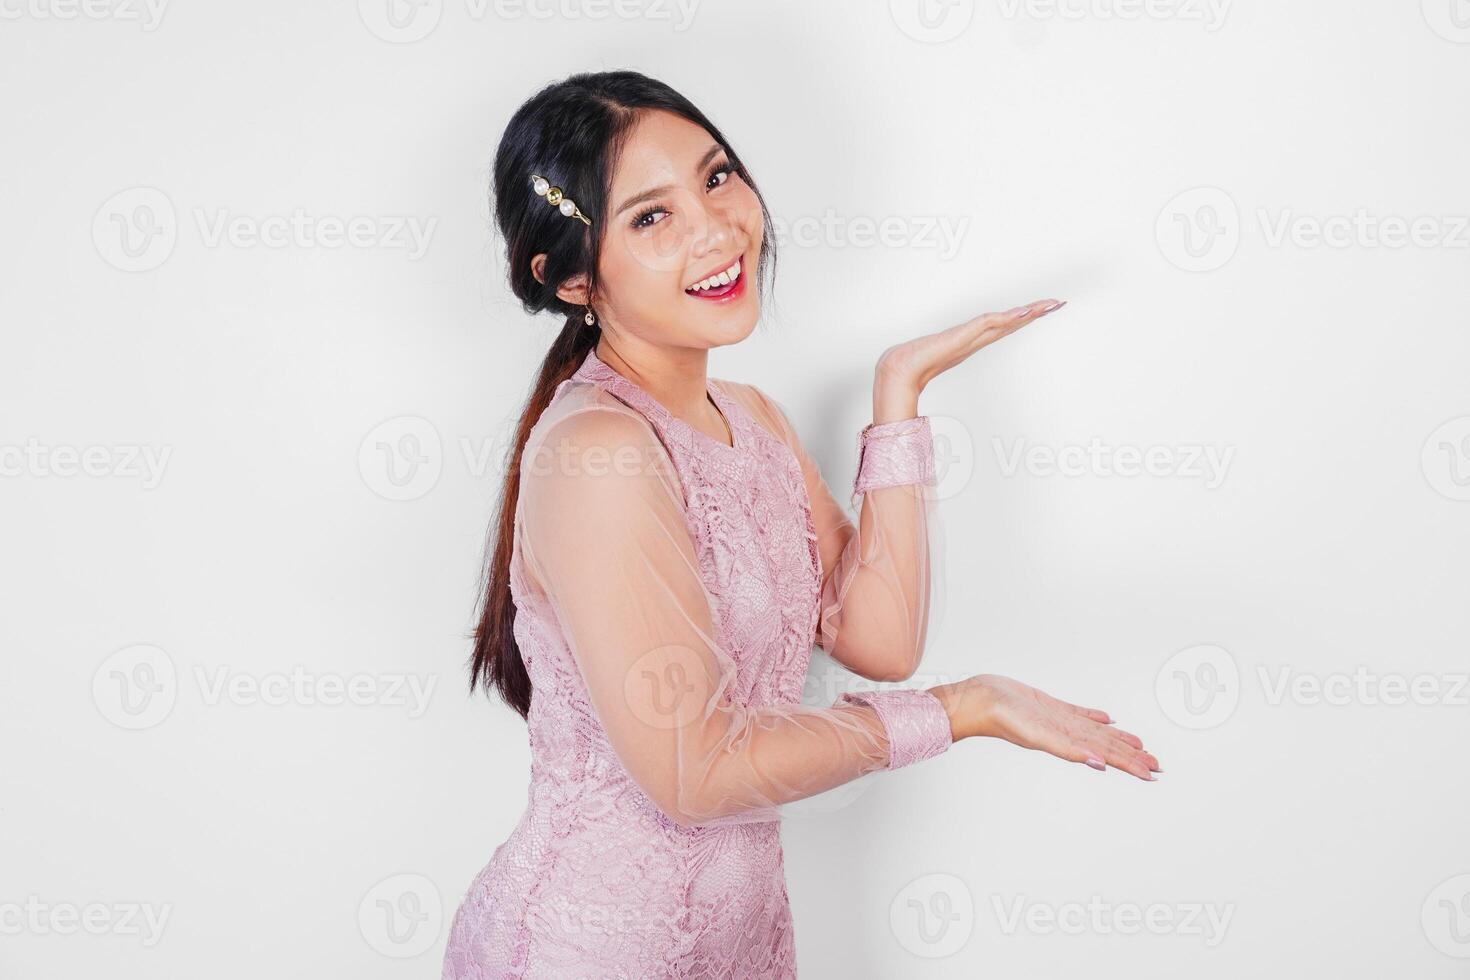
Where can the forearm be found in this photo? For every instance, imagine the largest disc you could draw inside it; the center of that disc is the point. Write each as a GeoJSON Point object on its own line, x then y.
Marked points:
{"type": "Point", "coordinates": [876, 596]}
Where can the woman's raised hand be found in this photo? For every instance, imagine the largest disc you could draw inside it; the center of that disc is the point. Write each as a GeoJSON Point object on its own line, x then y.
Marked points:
{"type": "Point", "coordinates": [989, 704]}
{"type": "Point", "coordinates": [905, 368]}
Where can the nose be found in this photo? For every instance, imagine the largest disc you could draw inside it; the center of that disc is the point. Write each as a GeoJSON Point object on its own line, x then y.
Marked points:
{"type": "Point", "coordinates": [717, 229]}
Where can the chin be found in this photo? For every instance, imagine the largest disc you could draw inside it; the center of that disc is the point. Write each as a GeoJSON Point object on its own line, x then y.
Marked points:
{"type": "Point", "coordinates": [731, 331]}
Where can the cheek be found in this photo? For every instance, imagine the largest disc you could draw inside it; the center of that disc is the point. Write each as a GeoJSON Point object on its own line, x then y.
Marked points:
{"type": "Point", "coordinates": [752, 218]}
{"type": "Point", "coordinates": [655, 253]}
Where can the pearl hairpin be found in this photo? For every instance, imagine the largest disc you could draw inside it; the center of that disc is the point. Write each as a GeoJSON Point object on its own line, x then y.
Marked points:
{"type": "Point", "coordinates": [554, 196]}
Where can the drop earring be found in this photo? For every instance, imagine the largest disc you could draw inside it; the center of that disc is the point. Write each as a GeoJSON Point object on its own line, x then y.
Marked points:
{"type": "Point", "coordinates": [589, 319]}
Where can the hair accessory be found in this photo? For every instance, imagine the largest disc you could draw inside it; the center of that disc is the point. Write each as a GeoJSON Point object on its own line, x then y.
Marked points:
{"type": "Point", "coordinates": [554, 196]}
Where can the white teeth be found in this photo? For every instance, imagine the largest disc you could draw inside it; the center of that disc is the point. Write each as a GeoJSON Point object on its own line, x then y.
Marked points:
{"type": "Point", "coordinates": [722, 279]}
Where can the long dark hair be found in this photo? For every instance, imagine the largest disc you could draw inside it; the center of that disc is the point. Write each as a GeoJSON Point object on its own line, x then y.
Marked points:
{"type": "Point", "coordinates": [571, 133]}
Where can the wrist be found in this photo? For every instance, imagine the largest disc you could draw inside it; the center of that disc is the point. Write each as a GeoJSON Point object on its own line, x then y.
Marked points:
{"type": "Point", "coordinates": [968, 704]}
{"type": "Point", "coordinates": [895, 397]}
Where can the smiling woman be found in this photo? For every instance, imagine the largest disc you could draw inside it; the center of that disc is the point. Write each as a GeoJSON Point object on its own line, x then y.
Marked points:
{"type": "Point", "coordinates": [667, 554]}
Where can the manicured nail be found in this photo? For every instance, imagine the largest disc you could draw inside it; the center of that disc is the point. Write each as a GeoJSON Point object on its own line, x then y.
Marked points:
{"type": "Point", "coordinates": [1096, 763]}
{"type": "Point", "coordinates": [1053, 306]}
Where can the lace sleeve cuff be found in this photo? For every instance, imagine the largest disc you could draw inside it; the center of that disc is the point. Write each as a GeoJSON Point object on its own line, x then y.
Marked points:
{"type": "Point", "coordinates": [916, 723]}
{"type": "Point", "coordinates": [894, 453]}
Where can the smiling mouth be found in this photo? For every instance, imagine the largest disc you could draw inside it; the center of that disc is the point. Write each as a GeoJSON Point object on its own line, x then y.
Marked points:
{"type": "Point", "coordinates": [728, 282]}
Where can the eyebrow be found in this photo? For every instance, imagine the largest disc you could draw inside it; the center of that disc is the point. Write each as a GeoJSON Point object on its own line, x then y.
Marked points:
{"type": "Point", "coordinates": [653, 192]}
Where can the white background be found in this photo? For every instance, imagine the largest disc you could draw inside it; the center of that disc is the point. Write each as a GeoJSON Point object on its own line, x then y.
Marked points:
{"type": "Point", "coordinates": [287, 837]}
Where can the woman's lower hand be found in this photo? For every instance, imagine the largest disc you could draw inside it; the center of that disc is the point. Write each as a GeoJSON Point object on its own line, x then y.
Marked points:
{"type": "Point", "coordinates": [999, 707]}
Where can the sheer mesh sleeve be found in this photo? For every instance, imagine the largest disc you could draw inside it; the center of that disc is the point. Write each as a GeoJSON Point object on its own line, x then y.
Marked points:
{"type": "Point", "coordinates": [876, 576]}
{"type": "Point", "coordinates": [601, 527]}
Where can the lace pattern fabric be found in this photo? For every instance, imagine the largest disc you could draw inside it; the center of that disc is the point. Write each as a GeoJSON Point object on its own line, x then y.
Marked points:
{"type": "Point", "coordinates": [669, 589]}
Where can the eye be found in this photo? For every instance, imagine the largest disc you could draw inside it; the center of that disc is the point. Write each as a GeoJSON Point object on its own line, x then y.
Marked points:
{"type": "Point", "coordinates": [721, 168]}
{"type": "Point", "coordinates": [719, 173]}
{"type": "Point", "coordinates": [641, 221]}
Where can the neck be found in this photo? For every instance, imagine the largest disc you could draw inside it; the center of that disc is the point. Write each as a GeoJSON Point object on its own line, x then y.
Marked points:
{"type": "Point", "coordinates": [677, 377]}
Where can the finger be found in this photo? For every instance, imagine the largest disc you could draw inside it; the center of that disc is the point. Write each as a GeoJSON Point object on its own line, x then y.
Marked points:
{"type": "Point", "coordinates": [1035, 308]}
{"type": "Point", "coordinates": [1093, 714]}
{"type": "Point", "coordinates": [1131, 762]}
{"type": "Point", "coordinates": [988, 328]}
{"type": "Point", "coordinates": [1128, 737]}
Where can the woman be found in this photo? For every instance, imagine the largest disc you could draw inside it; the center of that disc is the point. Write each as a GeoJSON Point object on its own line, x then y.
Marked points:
{"type": "Point", "coordinates": [668, 554]}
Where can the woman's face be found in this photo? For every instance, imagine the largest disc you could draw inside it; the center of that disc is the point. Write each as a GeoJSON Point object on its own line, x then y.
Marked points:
{"type": "Point", "coordinates": [678, 214]}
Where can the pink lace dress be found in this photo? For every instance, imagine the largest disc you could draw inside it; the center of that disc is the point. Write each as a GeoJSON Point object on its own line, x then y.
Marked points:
{"type": "Point", "coordinates": [669, 588]}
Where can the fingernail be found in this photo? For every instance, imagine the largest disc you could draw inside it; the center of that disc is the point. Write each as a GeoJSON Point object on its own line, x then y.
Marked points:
{"type": "Point", "coordinates": [1151, 778]}
{"type": "Point", "coordinates": [1096, 763]}
{"type": "Point", "coordinates": [1054, 306]}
